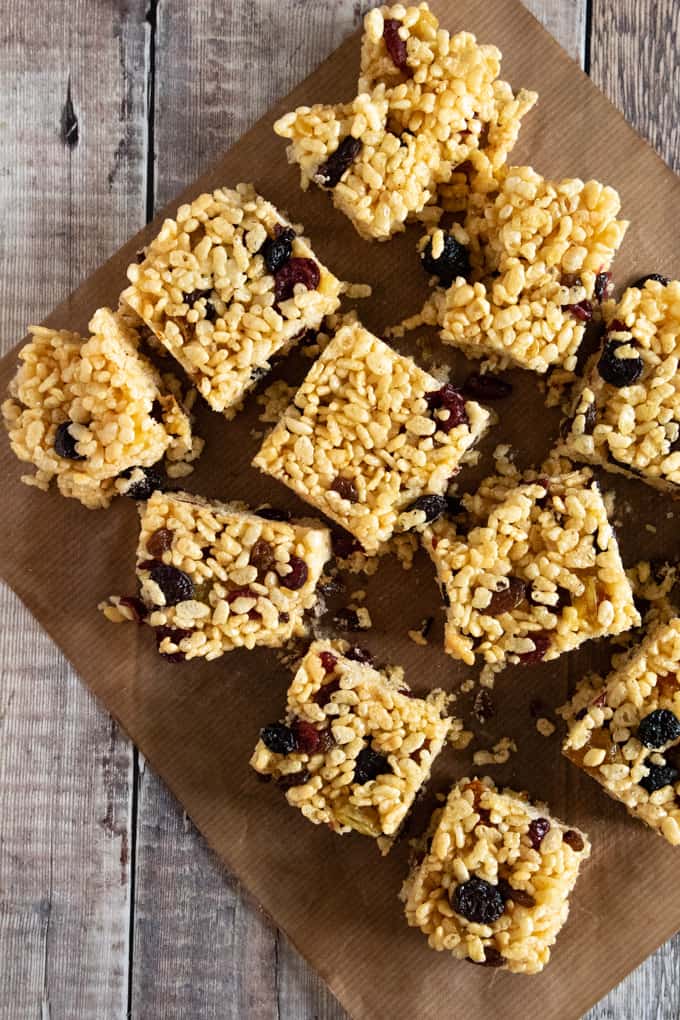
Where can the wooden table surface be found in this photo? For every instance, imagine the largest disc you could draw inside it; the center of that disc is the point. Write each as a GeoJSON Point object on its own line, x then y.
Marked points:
{"type": "Point", "coordinates": [110, 903]}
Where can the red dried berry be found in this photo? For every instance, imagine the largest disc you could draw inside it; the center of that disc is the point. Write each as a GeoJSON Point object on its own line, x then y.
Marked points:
{"type": "Point", "coordinates": [297, 576]}
{"type": "Point", "coordinates": [448, 398]}
{"type": "Point", "coordinates": [582, 311]}
{"type": "Point", "coordinates": [541, 642]}
{"type": "Point", "coordinates": [538, 830]}
{"type": "Point", "coordinates": [486, 386]}
{"type": "Point", "coordinates": [345, 488]}
{"type": "Point", "coordinates": [241, 593]}
{"type": "Point", "coordinates": [159, 542]}
{"type": "Point", "coordinates": [294, 271]}
{"type": "Point", "coordinates": [395, 45]}
{"type": "Point", "coordinates": [307, 737]}
{"type": "Point", "coordinates": [323, 695]}
{"type": "Point", "coordinates": [328, 661]}
{"type": "Point", "coordinates": [331, 172]}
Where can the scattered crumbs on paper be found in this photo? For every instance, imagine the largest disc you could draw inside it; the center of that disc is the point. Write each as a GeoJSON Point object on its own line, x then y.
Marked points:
{"type": "Point", "coordinates": [274, 401]}
{"type": "Point", "coordinates": [651, 528]}
{"type": "Point", "coordinates": [545, 727]}
{"type": "Point", "coordinates": [419, 636]}
{"type": "Point", "coordinates": [498, 755]}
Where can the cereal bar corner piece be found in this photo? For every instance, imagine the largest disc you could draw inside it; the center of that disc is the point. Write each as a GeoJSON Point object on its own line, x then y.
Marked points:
{"type": "Point", "coordinates": [227, 286]}
{"type": "Point", "coordinates": [368, 434]}
{"type": "Point", "coordinates": [626, 415]}
{"type": "Point", "coordinates": [529, 571]}
{"type": "Point", "coordinates": [520, 277]}
{"type": "Point", "coordinates": [354, 747]}
{"type": "Point", "coordinates": [493, 883]}
{"type": "Point", "coordinates": [94, 414]}
{"type": "Point", "coordinates": [214, 577]}
{"type": "Point", "coordinates": [625, 731]}
{"type": "Point", "coordinates": [426, 101]}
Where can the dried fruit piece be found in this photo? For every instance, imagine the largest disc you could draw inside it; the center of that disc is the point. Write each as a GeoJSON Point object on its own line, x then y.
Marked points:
{"type": "Point", "coordinates": [347, 619]}
{"type": "Point", "coordinates": [619, 371]}
{"type": "Point", "coordinates": [658, 777]}
{"type": "Point", "coordinates": [262, 556]}
{"type": "Point", "coordinates": [159, 542]}
{"type": "Point", "coordinates": [492, 958]}
{"type": "Point", "coordinates": [65, 444]}
{"type": "Point", "coordinates": [663, 280]}
{"type": "Point", "coordinates": [541, 642]}
{"type": "Point", "coordinates": [482, 706]}
{"type": "Point", "coordinates": [395, 45]}
{"type": "Point", "coordinates": [291, 779]}
{"type": "Point", "coordinates": [323, 695]}
{"type": "Point", "coordinates": [520, 897]}
{"type": "Point", "coordinates": [176, 635]}
{"type": "Point", "coordinates": [369, 765]}
{"type": "Point", "coordinates": [507, 599]}
{"type": "Point", "coordinates": [658, 728]}
{"type": "Point", "coordinates": [345, 488]}
{"type": "Point", "coordinates": [538, 830]}
{"type": "Point", "coordinates": [143, 488]}
{"type": "Point", "coordinates": [582, 311]}
{"type": "Point", "coordinates": [279, 738]}
{"type": "Point", "coordinates": [603, 287]}
{"type": "Point", "coordinates": [432, 506]}
{"type": "Point", "coordinates": [331, 172]}
{"type": "Point", "coordinates": [358, 654]}
{"type": "Point", "coordinates": [294, 271]}
{"type": "Point", "coordinates": [328, 661]}
{"type": "Point", "coordinates": [297, 576]}
{"type": "Point", "coordinates": [478, 901]}
{"type": "Point", "coordinates": [448, 398]}
{"type": "Point", "coordinates": [486, 386]}
{"type": "Point", "coordinates": [344, 545]}
{"type": "Point", "coordinates": [574, 840]}
{"type": "Point", "coordinates": [454, 261]}
{"type": "Point", "coordinates": [175, 584]}
{"type": "Point", "coordinates": [272, 513]}
{"type": "Point", "coordinates": [307, 737]}
{"type": "Point", "coordinates": [276, 251]}
{"type": "Point", "coordinates": [135, 605]}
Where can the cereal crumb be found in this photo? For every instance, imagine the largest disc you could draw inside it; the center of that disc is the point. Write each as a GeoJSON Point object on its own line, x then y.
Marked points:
{"type": "Point", "coordinates": [275, 399]}
{"type": "Point", "coordinates": [545, 727]}
{"type": "Point", "coordinates": [498, 755]}
{"type": "Point", "coordinates": [651, 528]}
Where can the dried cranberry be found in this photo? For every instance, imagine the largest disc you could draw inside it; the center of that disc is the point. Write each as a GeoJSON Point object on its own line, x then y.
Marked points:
{"type": "Point", "coordinates": [432, 506]}
{"type": "Point", "coordinates": [262, 555]}
{"type": "Point", "coordinates": [279, 738]}
{"type": "Point", "coordinates": [538, 830]}
{"type": "Point", "coordinates": [506, 599]}
{"type": "Point", "coordinates": [345, 488]}
{"type": "Point", "coordinates": [619, 371]}
{"type": "Point", "coordinates": [541, 642]}
{"type": "Point", "coordinates": [297, 576]}
{"type": "Point", "coordinates": [271, 513]}
{"type": "Point", "coordinates": [658, 728]}
{"type": "Point", "coordinates": [323, 695]}
{"type": "Point", "coordinates": [135, 605]}
{"type": "Point", "coordinates": [603, 287]}
{"type": "Point", "coordinates": [65, 444]}
{"type": "Point", "coordinates": [478, 901]}
{"type": "Point", "coordinates": [294, 271]}
{"type": "Point", "coordinates": [482, 706]}
{"type": "Point", "coordinates": [344, 546]}
{"type": "Point", "coordinates": [330, 173]}
{"type": "Point", "coordinates": [520, 897]}
{"type": "Point", "coordinates": [486, 386]}
{"type": "Point", "coordinates": [307, 737]}
{"type": "Point", "coordinates": [450, 399]}
{"type": "Point", "coordinates": [152, 481]}
{"type": "Point", "coordinates": [663, 280]}
{"type": "Point", "coordinates": [175, 584]}
{"type": "Point", "coordinates": [358, 654]}
{"type": "Point", "coordinates": [240, 593]}
{"type": "Point", "coordinates": [582, 311]}
{"type": "Point", "coordinates": [394, 44]}
{"type": "Point", "coordinates": [454, 261]}
{"type": "Point", "coordinates": [658, 777]}
{"type": "Point", "coordinates": [277, 250]}
{"type": "Point", "coordinates": [159, 542]}
{"type": "Point", "coordinates": [291, 779]}
{"type": "Point", "coordinates": [574, 840]}
{"type": "Point", "coordinates": [328, 661]}
{"type": "Point", "coordinates": [369, 764]}
{"type": "Point", "coordinates": [175, 635]}
{"type": "Point", "coordinates": [616, 326]}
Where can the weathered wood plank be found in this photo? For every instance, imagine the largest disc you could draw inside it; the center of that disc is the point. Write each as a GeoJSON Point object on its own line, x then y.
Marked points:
{"type": "Point", "coordinates": [71, 190]}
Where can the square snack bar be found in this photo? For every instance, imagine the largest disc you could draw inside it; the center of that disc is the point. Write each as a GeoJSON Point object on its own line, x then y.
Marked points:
{"type": "Point", "coordinates": [227, 286]}
{"type": "Point", "coordinates": [625, 731]}
{"type": "Point", "coordinates": [355, 746]}
{"type": "Point", "coordinates": [426, 101]}
{"type": "Point", "coordinates": [626, 415]}
{"type": "Point", "coordinates": [530, 571]}
{"type": "Point", "coordinates": [369, 433]}
{"type": "Point", "coordinates": [94, 413]}
{"type": "Point", "coordinates": [494, 882]}
{"type": "Point", "coordinates": [214, 577]}
{"type": "Point", "coordinates": [523, 269]}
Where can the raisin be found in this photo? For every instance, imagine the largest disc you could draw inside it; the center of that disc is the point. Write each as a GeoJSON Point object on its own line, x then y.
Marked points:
{"type": "Point", "coordinates": [574, 840]}
{"type": "Point", "coordinates": [541, 642]}
{"type": "Point", "coordinates": [291, 779]}
{"type": "Point", "coordinates": [159, 542]}
{"type": "Point", "coordinates": [369, 765]}
{"type": "Point", "coordinates": [492, 958]}
{"type": "Point", "coordinates": [663, 280]}
{"type": "Point", "coordinates": [277, 250]}
{"type": "Point", "coordinates": [454, 261]}
{"type": "Point", "coordinates": [272, 513]}
{"type": "Point", "coordinates": [211, 313]}
{"type": "Point", "coordinates": [448, 398]}
{"type": "Point", "coordinates": [538, 830]}
{"type": "Point", "coordinates": [323, 695]}
{"type": "Point", "coordinates": [486, 386]}
{"type": "Point", "coordinates": [582, 311]}
{"type": "Point", "coordinates": [330, 173]}
{"type": "Point", "coordinates": [394, 44]}
{"type": "Point", "coordinates": [658, 728]}
{"type": "Point", "coordinates": [506, 599]}
{"type": "Point", "coordinates": [658, 777]}
{"type": "Point", "coordinates": [279, 738]}
{"type": "Point", "coordinates": [603, 287]}
{"type": "Point", "coordinates": [432, 506]}
{"type": "Point", "coordinates": [478, 901]}
{"type": "Point", "coordinates": [345, 488]}
{"type": "Point", "coordinates": [65, 444]}
{"type": "Point", "coordinates": [294, 271]}
{"type": "Point", "coordinates": [619, 371]}
{"type": "Point", "coordinates": [482, 706]}
{"type": "Point", "coordinates": [176, 635]}
{"type": "Point", "coordinates": [152, 481]}
{"type": "Point", "coordinates": [454, 506]}
{"type": "Point", "coordinates": [520, 897]}
{"type": "Point", "coordinates": [135, 605]}
{"type": "Point", "coordinates": [307, 737]}
{"type": "Point", "coordinates": [262, 556]}
{"type": "Point", "coordinates": [344, 546]}
{"type": "Point", "coordinates": [328, 661]}
{"type": "Point", "coordinates": [297, 576]}
{"type": "Point", "coordinates": [358, 654]}
{"type": "Point", "coordinates": [175, 584]}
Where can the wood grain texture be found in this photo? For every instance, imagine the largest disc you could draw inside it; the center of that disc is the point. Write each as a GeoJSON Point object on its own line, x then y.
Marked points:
{"type": "Point", "coordinates": [71, 190]}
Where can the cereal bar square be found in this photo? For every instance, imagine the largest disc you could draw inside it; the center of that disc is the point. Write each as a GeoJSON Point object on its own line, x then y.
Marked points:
{"type": "Point", "coordinates": [227, 286]}
{"type": "Point", "coordinates": [368, 433]}
{"type": "Point", "coordinates": [494, 881]}
{"type": "Point", "coordinates": [95, 414]}
{"type": "Point", "coordinates": [354, 747]}
{"type": "Point", "coordinates": [626, 415]}
{"type": "Point", "coordinates": [625, 731]}
{"type": "Point", "coordinates": [529, 571]}
{"type": "Point", "coordinates": [214, 577]}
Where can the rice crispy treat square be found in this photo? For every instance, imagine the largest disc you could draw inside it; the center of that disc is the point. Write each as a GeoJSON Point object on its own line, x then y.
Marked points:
{"type": "Point", "coordinates": [624, 731]}
{"type": "Point", "coordinates": [225, 287]}
{"type": "Point", "coordinates": [530, 571]}
{"type": "Point", "coordinates": [93, 413]}
{"type": "Point", "coordinates": [354, 747]}
{"type": "Point", "coordinates": [367, 434]}
{"type": "Point", "coordinates": [626, 414]}
{"type": "Point", "coordinates": [494, 881]}
{"type": "Point", "coordinates": [426, 101]}
{"type": "Point", "coordinates": [535, 255]}
{"type": "Point", "coordinates": [214, 577]}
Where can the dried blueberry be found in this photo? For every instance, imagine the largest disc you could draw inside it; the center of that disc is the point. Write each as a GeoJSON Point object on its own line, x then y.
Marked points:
{"type": "Point", "coordinates": [279, 738]}
{"type": "Point", "coordinates": [143, 488]}
{"type": "Point", "coordinates": [292, 272]}
{"type": "Point", "coordinates": [658, 728]}
{"type": "Point", "coordinates": [541, 642]}
{"type": "Point", "coordinates": [454, 261]}
{"type": "Point", "coordinates": [159, 542]}
{"type": "Point", "coordinates": [657, 277]}
{"type": "Point", "coordinates": [432, 506]}
{"type": "Point", "coordinates": [478, 901]}
{"type": "Point", "coordinates": [175, 584]}
{"type": "Point", "coordinates": [65, 444]}
{"type": "Point", "coordinates": [603, 287]}
{"type": "Point", "coordinates": [330, 173]}
{"type": "Point", "coordinates": [538, 830]}
{"type": "Point", "coordinates": [297, 576]}
{"type": "Point", "coordinates": [486, 386]}
{"type": "Point", "coordinates": [506, 599]}
{"type": "Point", "coordinates": [574, 839]}
{"type": "Point", "coordinates": [619, 371]}
{"type": "Point", "coordinates": [394, 44]}
{"type": "Point", "coordinates": [345, 488]}
{"type": "Point", "coordinates": [369, 765]}
{"type": "Point", "coordinates": [277, 250]}
{"type": "Point", "coordinates": [658, 777]}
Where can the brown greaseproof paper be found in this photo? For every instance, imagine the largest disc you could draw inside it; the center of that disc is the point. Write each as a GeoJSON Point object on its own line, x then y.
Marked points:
{"type": "Point", "coordinates": [196, 723]}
